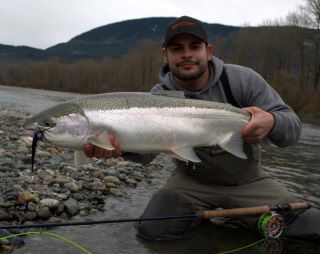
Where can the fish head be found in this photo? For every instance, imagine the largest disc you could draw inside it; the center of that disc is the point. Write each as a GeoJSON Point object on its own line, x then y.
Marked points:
{"type": "Point", "coordinates": [64, 125]}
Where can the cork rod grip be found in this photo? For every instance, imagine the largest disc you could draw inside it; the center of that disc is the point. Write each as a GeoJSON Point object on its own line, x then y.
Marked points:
{"type": "Point", "coordinates": [247, 211]}
{"type": "Point", "coordinates": [299, 206]}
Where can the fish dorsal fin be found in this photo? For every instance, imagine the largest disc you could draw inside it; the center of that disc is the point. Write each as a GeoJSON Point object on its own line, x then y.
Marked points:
{"type": "Point", "coordinates": [186, 154]}
{"type": "Point", "coordinates": [232, 142]}
{"type": "Point", "coordinates": [101, 140]}
{"type": "Point", "coordinates": [170, 93]}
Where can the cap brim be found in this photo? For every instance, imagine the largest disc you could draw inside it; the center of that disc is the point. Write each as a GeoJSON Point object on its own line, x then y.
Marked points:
{"type": "Point", "coordinates": [165, 43]}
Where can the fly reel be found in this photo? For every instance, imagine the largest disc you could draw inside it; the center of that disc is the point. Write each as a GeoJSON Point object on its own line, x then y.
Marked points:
{"type": "Point", "coordinates": [271, 225]}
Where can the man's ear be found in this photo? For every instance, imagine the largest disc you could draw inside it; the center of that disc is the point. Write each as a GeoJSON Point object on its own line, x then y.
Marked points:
{"type": "Point", "coordinates": [209, 51]}
{"type": "Point", "coordinates": [165, 55]}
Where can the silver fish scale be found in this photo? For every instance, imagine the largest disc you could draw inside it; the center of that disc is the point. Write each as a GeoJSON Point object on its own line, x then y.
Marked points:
{"type": "Point", "coordinates": [109, 101]}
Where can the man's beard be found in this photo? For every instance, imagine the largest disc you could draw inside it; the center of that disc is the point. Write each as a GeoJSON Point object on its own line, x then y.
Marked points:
{"type": "Point", "coordinates": [189, 76]}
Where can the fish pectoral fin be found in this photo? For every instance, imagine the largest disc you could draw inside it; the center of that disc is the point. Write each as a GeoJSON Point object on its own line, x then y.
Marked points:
{"type": "Point", "coordinates": [186, 154]}
{"type": "Point", "coordinates": [101, 140]}
{"type": "Point", "coordinates": [80, 158]}
{"type": "Point", "coordinates": [233, 143]}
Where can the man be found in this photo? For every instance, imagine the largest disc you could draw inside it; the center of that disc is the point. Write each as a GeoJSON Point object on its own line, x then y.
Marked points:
{"type": "Point", "coordinates": [221, 180]}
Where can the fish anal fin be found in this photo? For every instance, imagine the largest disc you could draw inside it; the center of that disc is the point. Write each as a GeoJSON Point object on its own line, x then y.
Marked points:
{"type": "Point", "coordinates": [101, 140]}
{"type": "Point", "coordinates": [233, 143]}
{"type": "Point", "coordinates": [186, 154]}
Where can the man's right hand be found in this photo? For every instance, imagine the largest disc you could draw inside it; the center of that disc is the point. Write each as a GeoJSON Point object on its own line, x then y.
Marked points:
{"type": "Point", "coordinates": [98, 152]}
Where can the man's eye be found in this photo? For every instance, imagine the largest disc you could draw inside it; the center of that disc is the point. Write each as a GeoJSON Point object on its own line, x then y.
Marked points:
{"type": "Point", "coordinates": [194, 47]}
{"type": "Point", "coordinates": [176, 48]}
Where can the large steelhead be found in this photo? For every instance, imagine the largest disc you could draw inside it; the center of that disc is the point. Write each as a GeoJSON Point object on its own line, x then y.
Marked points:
{"type": "Point", "coordinates": [143, 123]}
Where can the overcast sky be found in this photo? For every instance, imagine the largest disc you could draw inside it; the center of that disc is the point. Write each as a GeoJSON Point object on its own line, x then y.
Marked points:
{"type": "Point", "coordinates": [44, 23]}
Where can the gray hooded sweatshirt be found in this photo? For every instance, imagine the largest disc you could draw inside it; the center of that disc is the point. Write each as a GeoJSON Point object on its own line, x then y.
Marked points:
{"type": "Point", "coordinates": [248, 89]}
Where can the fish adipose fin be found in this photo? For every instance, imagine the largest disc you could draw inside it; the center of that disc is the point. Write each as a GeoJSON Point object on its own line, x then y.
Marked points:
{"type": "Point", "coordinates": [233, 143]}
{"type": "Point", "coordinates": [186, 154]}
{"type": "Point", "coordinates": [101, 140]}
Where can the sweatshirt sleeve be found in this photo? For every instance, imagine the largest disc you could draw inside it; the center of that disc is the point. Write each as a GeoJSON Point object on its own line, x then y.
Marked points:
{"type": "Point", "coordinates": [252, 90]}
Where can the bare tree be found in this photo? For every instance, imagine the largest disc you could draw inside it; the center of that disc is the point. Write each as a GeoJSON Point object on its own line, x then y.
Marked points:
{"type": "Point", "coordinates": [313, 8]}
{"type": "Point", "coordinates": [300, 18]}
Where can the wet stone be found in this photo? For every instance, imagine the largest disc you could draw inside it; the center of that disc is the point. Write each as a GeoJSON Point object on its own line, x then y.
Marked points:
{"type": "Point", "coordinates": [44, 213]}
{"type": "Point", "coordinates": [32, 207]}
{"type": "Point", "coordinates": [72, 187]}
{"type": "Point", "coordinates": [132, 182]}
{"type": "Point", "coordinates": [30, 215]}
{"type": "Point", "coordinates": [26, 197]}
{"type": "Point", "coordinates": [111, 179]}
{"type": "Point", "coordinates": [49, 202]}
{"type": "Point", "coordinates": [72, 206]}
{"type": "Point", "coordinates": [4, 216]}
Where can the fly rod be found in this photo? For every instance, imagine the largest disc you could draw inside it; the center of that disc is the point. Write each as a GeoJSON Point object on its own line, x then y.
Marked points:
{"type": "Point", "coordinates": [268, 221]}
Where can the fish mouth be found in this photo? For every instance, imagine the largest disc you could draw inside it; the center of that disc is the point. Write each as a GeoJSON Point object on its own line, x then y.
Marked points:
{"type": "Point", "coordinates": [33, 129]}
{"type": "Point", "coordinates": [33, 125]}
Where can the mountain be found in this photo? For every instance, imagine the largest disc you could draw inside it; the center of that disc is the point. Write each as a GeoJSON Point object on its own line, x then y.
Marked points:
{"type": "Point", "coordinates": [112, 40]}
{"type": "Point", "coordinates": [12, 54]}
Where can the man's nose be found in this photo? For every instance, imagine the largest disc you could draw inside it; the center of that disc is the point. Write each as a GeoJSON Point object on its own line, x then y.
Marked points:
{"type": "Point", "coordinates": [186, 52]}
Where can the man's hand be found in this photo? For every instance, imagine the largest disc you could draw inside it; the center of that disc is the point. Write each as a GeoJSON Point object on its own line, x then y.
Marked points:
{"type": "Point", "coordinates": [98, 152]}
{"type": "Point", "coordinates": [259, 126]}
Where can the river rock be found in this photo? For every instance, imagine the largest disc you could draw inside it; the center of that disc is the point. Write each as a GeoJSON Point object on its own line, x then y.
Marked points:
{"type": "Point", "coordinates": [61, 180]}
{"type": "Point", "coordinates": [72, 206]}
{"type": "Point", "coordinates": [52, 150]}
{"type": "Point", "coordinates": [111, 185]}
{"type": "Point", "coordinates": [71, 169]}
{"type": "Point", "coordinates": [32, 207]}
{"type": "Point", "coordinates": [111, 179]}
{"type": "Point", "coordinates": [4, 216]}
{"type": "Point", "coordinates": [116, 192]}
{"type": "Point", "coordinates": [6, 205]}
{"type": "Point", "coordinates": [49, 202]}
{"type": "Point", "coordinates": [30, 215]}
{"type": "Point", "coordinates": [26, 197]}
{"type": "Point", "coordinates": [132, 182]}
{"type": "Point", "coordinates": [44, 213]}
{"type": "Point", "coordinates": [62, 196]}
{"type": "Point", "coordinates": [73, 187]}
{"type": "Point", "coordinates": [53, 219]}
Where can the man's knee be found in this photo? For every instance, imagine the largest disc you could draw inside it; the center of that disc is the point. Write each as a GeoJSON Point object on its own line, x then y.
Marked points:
{"type": "Point", "coordinates": [304, 226]}
{"type": "Point", "coordinates": [166, 203]}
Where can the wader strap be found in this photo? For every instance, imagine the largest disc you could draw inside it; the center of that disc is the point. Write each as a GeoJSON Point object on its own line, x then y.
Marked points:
{"type": "Point", "coordinates": [227, 90]}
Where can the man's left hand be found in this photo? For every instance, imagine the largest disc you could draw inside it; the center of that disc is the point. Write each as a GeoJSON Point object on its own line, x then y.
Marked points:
{"type": "Point", "coordinates": [259, 126]}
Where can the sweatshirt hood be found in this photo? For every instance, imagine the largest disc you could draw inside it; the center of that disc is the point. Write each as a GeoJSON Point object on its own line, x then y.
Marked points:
{"type": "Point", "coordinates": [167, 79]}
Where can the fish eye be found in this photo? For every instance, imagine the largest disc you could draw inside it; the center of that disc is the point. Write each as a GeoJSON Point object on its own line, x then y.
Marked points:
{"type": "Point", "coordinates": [47, 123]}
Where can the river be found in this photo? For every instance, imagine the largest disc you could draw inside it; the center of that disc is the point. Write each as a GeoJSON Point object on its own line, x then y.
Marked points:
{"type": "Point", "coordinates": [296, 167]}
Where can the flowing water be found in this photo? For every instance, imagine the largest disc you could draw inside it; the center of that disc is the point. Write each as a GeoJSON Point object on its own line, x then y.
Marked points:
{"type": "Point", "coordinates": [296, 167]}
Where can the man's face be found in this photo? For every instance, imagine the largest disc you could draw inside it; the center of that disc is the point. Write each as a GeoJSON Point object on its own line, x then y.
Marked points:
{"type": "Point", "coordinates": [187, 57]}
